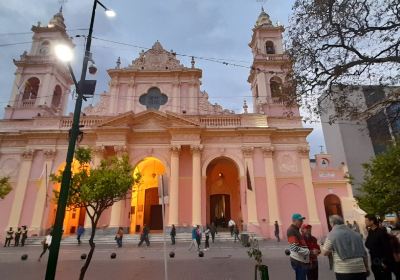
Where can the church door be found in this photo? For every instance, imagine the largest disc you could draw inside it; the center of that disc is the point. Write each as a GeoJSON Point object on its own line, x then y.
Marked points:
{"type": "Point", "coordinates": [152, 210]}
{"type": "Point", "coordinates": [220, 209]}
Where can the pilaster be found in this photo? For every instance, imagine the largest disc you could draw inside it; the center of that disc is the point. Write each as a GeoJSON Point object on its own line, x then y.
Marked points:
{"type": "Point", "coordinates": [174, 186]}
{"type": "Point", "coordinates": [252, 216]}
{"type": "Point", "coordinates": [196, 184]}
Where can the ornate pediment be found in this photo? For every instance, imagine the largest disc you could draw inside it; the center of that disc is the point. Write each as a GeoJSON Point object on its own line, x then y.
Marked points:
{"type": "Point", "coordinates": [156, 58]}
{"type": "Point", "coordinates": [150, 120]}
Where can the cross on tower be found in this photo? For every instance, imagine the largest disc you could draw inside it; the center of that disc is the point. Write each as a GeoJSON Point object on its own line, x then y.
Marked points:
{"type": "Point", "coordinates": [62, 2]}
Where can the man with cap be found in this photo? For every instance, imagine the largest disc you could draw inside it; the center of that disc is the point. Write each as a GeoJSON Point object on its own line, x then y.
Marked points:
{"type": "Point", "coordinates": [299, 252]}
{"type": "Point", "coordinates": [312, 244]}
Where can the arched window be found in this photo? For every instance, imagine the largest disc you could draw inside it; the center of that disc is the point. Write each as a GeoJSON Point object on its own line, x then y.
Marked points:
{"type": "Point", "coordinates": [31, 89]}
{"type": "Point", "coordinates": [276, 87]}
{"type": "Point", "coordinates": [269, 47]}
{"type": "Point", "coordinates": [44, 48]}
{"type": "Point", "coordinates": [55, 102]}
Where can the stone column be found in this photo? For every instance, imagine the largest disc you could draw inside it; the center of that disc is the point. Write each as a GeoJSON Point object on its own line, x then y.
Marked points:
{"type": "Point", "coordinates": [20, 189]}
{"type": "Point", "coordinates": [196, 184]}
{"type": "Point", "coordinates": [42, 193]}
{"type": "Point", "coordinates": [116, 209]}
{"type": "Point", "coordinates": [308, 185]}
{"type": "Point", "coordinates": [272, 192]}
{"type": "Point", "coordinates": [174, 186]}
{"type": "Point", "coordinates": [252, 217]}
{"type": "Point", "coordinates": [97, 157]}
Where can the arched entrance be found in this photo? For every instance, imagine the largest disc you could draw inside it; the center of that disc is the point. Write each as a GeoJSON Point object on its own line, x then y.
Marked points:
{"type": "Point", "coordinates": [223, 192]}
{"type": "Point", "coordinates": [333, 206]}
{"type": "Point", "coordinates": [74, 217]}
{"type": "Point", "coordinates": [146, 208]}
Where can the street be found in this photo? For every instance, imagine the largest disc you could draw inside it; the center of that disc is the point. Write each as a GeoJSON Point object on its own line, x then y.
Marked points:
{"type": "Point", "coordinates": [225, 260]}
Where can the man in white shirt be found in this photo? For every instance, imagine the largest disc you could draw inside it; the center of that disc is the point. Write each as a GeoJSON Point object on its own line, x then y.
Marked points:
{"type": "Point", "coordinates": [46, 244]}
{"type": "Point", "coordinates": [231, 225]}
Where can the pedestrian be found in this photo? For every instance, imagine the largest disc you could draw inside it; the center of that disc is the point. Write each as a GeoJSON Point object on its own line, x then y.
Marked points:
{"type": "Point", "coordinates": [356, 227]}
{"type": "Point", "coordinates": [276, 231]}
{"type": "Point", "coordinates": [207, 234]}
{"type": "Point", "coordinates": [350, 259]}
{"type": "Point", "coordinates": [46, 244]}
{"type": "Point", "coordinates": [213, 230]}
{"type": "Point", "coordinates": [299, 253]}
{"type": "Point", "coordinates": [9, 237]}
{"type": "Point", "coordinates": [380, 250]}
{"type": "Point", "coordinates": [312, 245]}
{"type": "Point", "coordinates": [350, 226]}
{"type": "Point", "coordinates": [79, 233]}
{"type": "Point", "coordinates": [231, 225]}
{"type": "Point", "coordinates": [236, 233]}
{"type": "Point", "coordinates": [24, 235]}
{"type": "Point", "coordinates": [194, 237]}
{"type": "Point", "coordinates": [173, 234]}
{"type": "Point", "coordinates": [198, 237]}
{"type": "Point", "coordinates": [118, 237]}
{"type": "Point", "coordinates": [144, 236]}
{"type": "Point", "coordinates": [17, 237]}
{"type": "Point", "coordinates": [395, 245]}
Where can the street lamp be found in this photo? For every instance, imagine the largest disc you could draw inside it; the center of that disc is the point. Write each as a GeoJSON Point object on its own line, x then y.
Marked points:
{"type": "Point", "coordinates": [66, 178]}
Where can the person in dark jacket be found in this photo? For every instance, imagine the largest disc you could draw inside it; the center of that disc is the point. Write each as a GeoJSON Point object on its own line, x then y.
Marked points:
{"type": "Point", "coordinates": [144, 236]}
{"type": "Point", "coordinates": [276, 231]}
{"type": "Point", "coordinates": [24, 234]}
{"type": "Point", "coordinates": [79, 233]}
{"type": "Point", "coordinates": [173, 234]}
{"type": "Point", "coordinates": [315, 250]}
{"type": "Point", "coordinates": [17, 237]}
{"type": "Point", "coordinates": [380, 250]}
{"type": "Point", "coordinates": [9, 237]}
{"type": "Point", "coordinates": [213, 231]}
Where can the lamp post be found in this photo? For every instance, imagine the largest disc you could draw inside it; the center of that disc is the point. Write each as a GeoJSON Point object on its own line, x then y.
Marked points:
{"type": "Point", "coordinates": [66, 178]}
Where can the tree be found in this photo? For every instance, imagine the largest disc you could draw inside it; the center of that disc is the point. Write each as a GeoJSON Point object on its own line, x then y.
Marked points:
{"type": "Point", "coordinates": [96, 189]}
{"type": "Point", "coordinates": [380, 190]}
{"type": "Point", "coordinates": [343, 43]}
{"type": "Point", "coordinates": [5, 187]}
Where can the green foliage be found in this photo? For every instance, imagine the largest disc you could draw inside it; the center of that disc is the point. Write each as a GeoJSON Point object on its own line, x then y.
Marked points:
{"type": "Point", "coordinates": [5, 187]}
{"type": "Point", "coordinates": [254, 251]}
{"type": "Point", "coordinates": [380, 190]}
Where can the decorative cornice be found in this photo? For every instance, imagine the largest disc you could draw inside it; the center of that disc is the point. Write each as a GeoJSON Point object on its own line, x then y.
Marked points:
{"type": "Point", "coordinates": [268, 151]}
{"type": "Point", "coordinates": [49, 154]}
{"type": "Point", "coordinates": [27, 154]}
{"type": "Point", "coordinates": [120, 149]}
{"type": "Point", "coordinates": [175, 148]}
{"type": "Point", "coordinates": [247, 151]}
{"type": "Point", "coordinates": [303, 150]}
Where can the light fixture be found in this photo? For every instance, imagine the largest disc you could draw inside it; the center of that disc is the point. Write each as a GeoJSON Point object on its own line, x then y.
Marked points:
{"type": "Point", "coordinates": [220, 174]}
{"type": "Point", "coordinates": [63, 52]}
{"type": "Point", "coordinates": [110, 13]}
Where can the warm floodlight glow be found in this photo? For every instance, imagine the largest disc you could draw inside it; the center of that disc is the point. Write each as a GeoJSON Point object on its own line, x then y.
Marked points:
{"type": "Point", "coordinates": [110, 13]}
{"type": "Point", "coordinates": [64, 53]}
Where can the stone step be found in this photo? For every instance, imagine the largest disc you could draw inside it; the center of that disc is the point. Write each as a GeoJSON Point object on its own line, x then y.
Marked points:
{"type": "Point", "coordinates": [129, 238]}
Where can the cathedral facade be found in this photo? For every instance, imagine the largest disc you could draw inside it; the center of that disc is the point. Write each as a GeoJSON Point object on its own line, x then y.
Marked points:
{"type": "Point", "coordinates": [213, 164]}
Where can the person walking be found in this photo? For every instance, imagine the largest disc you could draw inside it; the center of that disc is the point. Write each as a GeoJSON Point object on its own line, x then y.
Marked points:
{"type": "Point", "coordinates": [299, 253]}
{"type": "Point", "coordinates": [79, 233]}
{"type": "Point", "coordinates": [312, 245]}
{"type": "Point", "coordinates": [144, 236]}
{"type": "Point", "coordinates": [9, 237]}
{"type": "Point", "coordinates": [231, 225]}
{"type": "Point", "coordinates": [380, 250]}
{"type": "Point", "coordinates": [198, 237]}
{"type": "Point", "coordinates": [24, 234]}
{"type": "Point", "coordinates": [213, 230]}
{"type": "Point", "coordinates": [17, 237]}
{"type": "Point", "coordinates": [173, 234]}
{"type": "Point", "coordinates": [46, 244]}
{"type": "Point", "coordinates": [350, 259]}
{"type": "Point", "coordinates": [118, 237]}
{"type": "Point", "coordinates": [207, 234]}
{"type": "Point", "coordinates": [194, 237]}
{"type": "Point", "coordinates": [276, 231]}
{"type": "Point", "coordinates": [236, 233]}
{"type": "Point", "coordinates": [350, 226]}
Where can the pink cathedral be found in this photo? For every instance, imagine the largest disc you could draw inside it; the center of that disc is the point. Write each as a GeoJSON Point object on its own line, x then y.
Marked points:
{"type": "Point", "coordinates": [216, 164]}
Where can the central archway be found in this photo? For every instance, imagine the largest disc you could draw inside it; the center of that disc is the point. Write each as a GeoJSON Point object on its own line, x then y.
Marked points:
{"type": "Point", "coordinates": [146, 208]}
{"type": "Point", "coordinates": [223, 192]}
{"type": "Point", "coordinates": [333, 206]}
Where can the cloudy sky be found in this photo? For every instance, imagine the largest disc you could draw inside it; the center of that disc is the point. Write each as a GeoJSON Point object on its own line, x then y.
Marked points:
{"type": "Point", "coordinates": [218, 29]}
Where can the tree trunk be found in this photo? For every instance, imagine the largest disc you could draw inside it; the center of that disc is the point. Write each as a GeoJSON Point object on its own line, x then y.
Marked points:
{"type": "Point", "coordinates": [92, 247]}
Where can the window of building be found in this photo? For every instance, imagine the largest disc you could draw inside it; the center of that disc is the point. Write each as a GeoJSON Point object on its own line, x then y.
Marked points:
{"type": "Point", "coordinates": [31, 89]}
{"type": "Point", "coordinates": [269, 47]}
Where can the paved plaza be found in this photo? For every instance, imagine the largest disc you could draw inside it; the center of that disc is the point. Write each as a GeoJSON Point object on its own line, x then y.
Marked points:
{"type": "Point", "coordinates": [224, 261]}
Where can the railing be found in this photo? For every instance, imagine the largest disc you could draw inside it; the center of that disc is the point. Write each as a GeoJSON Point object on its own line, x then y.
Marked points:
{"type": "Point", "coordinates": [229, 121]}
{"type": "Point", "coordinates": [274, 57]}
{"type": "Point", "coordinates": [28, 103]}
{"type": "Point", "coordinates": [87, 122]}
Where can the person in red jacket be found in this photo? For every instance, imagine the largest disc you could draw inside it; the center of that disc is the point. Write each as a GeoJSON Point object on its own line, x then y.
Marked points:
{"type": "Point", "coordinates": [312, 245]}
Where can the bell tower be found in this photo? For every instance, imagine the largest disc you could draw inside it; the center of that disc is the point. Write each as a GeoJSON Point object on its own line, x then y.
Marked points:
{"type": "Point", "coordinates": [269, 68]}
{"type": "Point", "coordinates": [42, 83]}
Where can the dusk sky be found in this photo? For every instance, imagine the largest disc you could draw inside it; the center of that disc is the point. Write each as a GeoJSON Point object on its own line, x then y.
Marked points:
{"type": "Point", "coordinates": [218, 29]}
